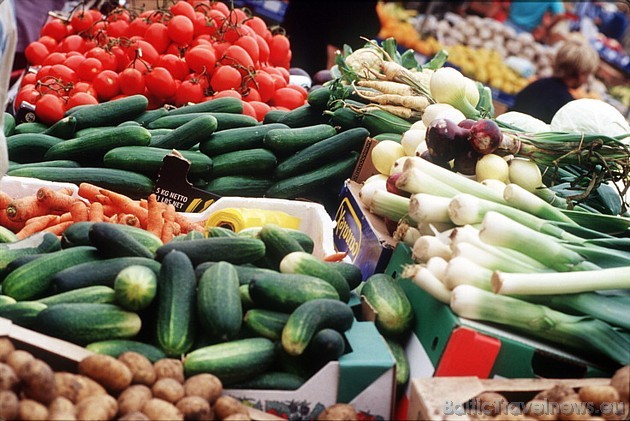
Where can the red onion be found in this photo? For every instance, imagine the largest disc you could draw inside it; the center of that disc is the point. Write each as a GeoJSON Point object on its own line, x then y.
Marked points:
{"type": "Point", "coordinates": [444, 138]}
{"type": "Point", "coordinates": [485, 136]}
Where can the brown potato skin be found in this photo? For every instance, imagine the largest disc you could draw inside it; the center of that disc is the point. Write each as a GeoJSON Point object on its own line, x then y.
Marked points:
{"type": "Point", "coordinates": [111, 373]}
{"type": "Point", "coordinates": [195, 408]}
{"type": "Point", "coordinates": [134, 416]}
{"type": "Point", "coordinates": [99, 407]}
{"type": "Point", "coordinates": [206, 385]}
{"type": "Point", "coordinates": [338, 411]}
{"type": "Point", "coordinates": [8, 377]}
{"type": "Point", "coordinates": [61, 409]}
{"type": "Point", "coordinates": [140, 366]}
{"type": "Point", "coordinates": [77, 387]}
{"type": "Point", "coordinates": [133, 398]}
{"type": "Point", "coordinates": [169, 367]}
{"type": "Point", "coordinates": [18, 357]}
{"type": "Point", "coordinates": [227, 405]}
{"type": "Point", "coordinates": [621, 381]}
{"type": "Point", "coordinates": [169, 389]}
{"type": "Point", "coordinates": [32, 410]}
{"type": "Point", "coordinates": [159, 409]}
{"type": "Point", "coordinates": [6, 347]}
{"type": "Point", "coordinates": [9, 405]}
{"type": "Point", "coordinates": [38, 381]}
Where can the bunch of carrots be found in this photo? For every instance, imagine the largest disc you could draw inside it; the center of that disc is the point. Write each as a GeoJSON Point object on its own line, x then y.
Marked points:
{"type": "Point", "coordinates": [53, 211]}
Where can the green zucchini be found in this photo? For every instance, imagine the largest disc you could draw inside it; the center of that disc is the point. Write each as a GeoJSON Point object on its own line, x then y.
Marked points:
{"type": "Point", "coordinates": [302, 116]}
{"type": "Point", "coordinates": [116, 347]}
{"type": "Point", "coordinates": [30, 147]}
{"type": "Point", "coordinates": [235, 250]}
{"type": "Point", "coordinates": [148, 160]}
{"type": "Point", "coordinates": [218, 105]}
{"type": "Point", "coordinates": [392, 308]}
{"type": "Point", "coordinates": [30, 127]}
{"type": "Point", "coordinates": [188, 134]}
{"type": "Point", "coordinates": [278, 243]}
{"type": "Point", "coordinates": [232, 361]}
{"type": "Point", "coordinates": [219, 302]}
{"type": "Point", "coordinates": [248, 162]}
{"type": "Point", "coordinates": [83, 323]}
{"type": "Point", "coordinates": [41, 242]}
{"type": "Point", "coordinates": [284, 142]}
{"type": "Point", "coordinates": [135, 287]}
{"type": "Point", "coordinates": [176, 304]}
{"type": "Point", "coordinates": [285, 292]}
{"type": "Point", "coordinates": [230, 140]}
{"type": "Point", "coordinates": [265, 323]}
{"type": "Point", "coordinates": [239, 185]}
{"type": "Point", "coordinates": [111, 241]}
{"type": "Point", "coordinates": [23, 313]}
{"type": "Point", "coordinates": [302, 184]}
{"type": "Point", "coordinates": [78, 234]}
{"type": "Point", "coordinates": [91, 294]}
{"type": "Point", "coordinates": [307, 264]}
{"type": "Point", "coordinates": [33, 279]}
{"type": "Point", "coordinates": [110, 113]}
{"type": "Point", "coordinates": [272, 380]}
{"type": "Point", "coordinates": [311, 317]}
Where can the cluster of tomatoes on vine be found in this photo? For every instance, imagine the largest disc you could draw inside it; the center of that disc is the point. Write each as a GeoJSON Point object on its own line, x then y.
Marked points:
{"type": "Point", "coordinates": [189, 52]}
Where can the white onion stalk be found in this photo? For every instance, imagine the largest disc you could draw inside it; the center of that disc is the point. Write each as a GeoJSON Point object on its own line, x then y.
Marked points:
{"type": "Point", "coordinates": [560, 283]}
{"type": "Point", "coordinates": [430, 228]}
{"type": "Point", "coordinates": [422, 277]}
{"type": "Point", "coordinates": [406, 234]}
{"type": "Point", "coordinates": [489, 260]}
{"type": "Point", "coordinates": [541, 321]}
{"type": "Point", "coordinates": [428, 246]}
{"type": "Point", "coordinates": [411, 139]}
{"type": "Point", "coordinates": [522, 199]}
{"type": "Point", "coordinates": [437, 266]}
{"type": "Point", "coordinates": [390, 205]}
{"type": "Point", "coordinates": [397, 166]}
{"type": "Point", "coordinates": [496, 185]}
{"type": "Point", "coordinates": [471, 92]}
{"type": "Point", "coordinates": [413, 180]}
{"type": "Point", "coordinates": [463, 271]}
{"type": "Point", "coordinates": [366, 193]}
{"type": "Point", "coordinates": [448, 86]}
{"type": "Point", "coordinates": [429, 208]}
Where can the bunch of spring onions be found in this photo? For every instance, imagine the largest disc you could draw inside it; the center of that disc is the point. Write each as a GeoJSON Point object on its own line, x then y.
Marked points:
{"type": "Point", "coordinates": [511, 258]}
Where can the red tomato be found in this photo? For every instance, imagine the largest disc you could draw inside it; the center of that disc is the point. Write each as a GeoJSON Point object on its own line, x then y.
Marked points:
{"type": "Point", "coordinates": [220, 47]}
{"type": "Point", "coordinates": [157, 35]}
{"type": "Point", "coordinates": [122, 61]}
{"type": "Point", "coordinates": [66, 74]}
{"type": "Point", "coordinates": [250, 45]}
{"type": "Point", "coordinates": [36, 53]}
{"type": "Point", "coordinates": [181, 29]}
{"type": "Point", "coordinates": [73, 43]}
{"type": "Point", "coordinates": [89, 68]}
{"type": "Point", "coordinates": [28, 78]}
{"type": "Point", "coordinates": [224, 78]}
{"type": "Point", "coordinates": [221, 7]}
{"type": "Point", "coordinates": [73, 61]}
{"type": "Point", "coordinates": [49, 42]}
{"type": "Point", "coordinates": [257, 24]}
{"type": "Point", "coordinates": [144, 50]}
{"type": "Point", "coordinates": [107, 59]}
{"type": "Point", "coordinates": [216, 18]}
{"type": "Point", "coordinates": [175, 65]}
{"type": "Point", "coordinates": [54, 58]}
{"type": "Point", "coordinates": [160, 82]}
{"type": "Point", "coordinates": [287, 97]}
{"type": "Point", "coordinates": [203, 25]}
{"type": "Point", "coordinates": [279, 49]}
{"type": "Point", "coordinates": [81, 20]}
{"type": "Point", "coordinates": [96, 14]}
{"type": "Point", "coordinates": [80, 98]}
{"type": "Point", "coordinates": [106, 85]}
{"type": "Point", "coordinates": [278, 82]}
{"type": "Point", "coordinates": [140, 65]}
{"type": "Point", "coordinates": [138, 26]}
{"type": "Point", "coordinates": [119, 13]}
{"type": "Point", "coordinates": [249, 110]}
{"type": "Point", "coordinates": [200, 59]}
{"type": "Point", "coordinates": [237, 16]}
{"type": "Point", "coordinates": [131, 81]}
{"type": "Point", "coordinates": [27, 93]}
{"type": "Point", "coordinates": [264, 84]}
{"type": "Point", "coordinates": [176, 49]}
{"type": "Point", "coordinates": [183, 8]}
{"type": "Point", "coordinates": [49, 108]}
{"type": "Point", "coordinates": [284, 72]}
{"type": "Point", "coordinates": [84, 87]}
{"type": "Point", "coordinates": [298, 88]}
{"type": "Point", "coordinates": [117, 28]}
{"type": "Point", "coordinates": [261, 109]}
{"type": "Point", "coordinates": [188, 91]}
{"type": "Point", "coordinates": [237, 56]}
{"type": "Point", "coordinates": [55, 28]}
{"type": "Point", "coordinates": [228, 93]}
{"type": "Point", "coordinates": [251, 95]}
{"type": "Point", "coordinates": [43, 72]}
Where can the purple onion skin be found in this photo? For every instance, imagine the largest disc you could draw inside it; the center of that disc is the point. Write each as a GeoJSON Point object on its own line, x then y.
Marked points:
{"type": "Point", "coordinates": [467, 123]}
{"type": "Point", "coordinates": [465, 161]}
{"type": "Point", "coordinates": [427, 157]}
{"type": "Point", "coordinates": [390, 185]}
{"type": "Point", "coordinates": [444, 137]}
{"type": "Point", "coordinates": [485, 136]}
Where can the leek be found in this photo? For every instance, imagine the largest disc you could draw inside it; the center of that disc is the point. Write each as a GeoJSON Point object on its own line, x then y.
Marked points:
{"type": "Point", "coordinates": [461, 270]}
{"type": "Point", "coordinates": [437, 266]}
{"type": "Point", "coordinates": [428, 246]}
{"type": "Point", "coordinates": [413, 180]}
{"type": "Point", "coordinates": [406, 234]}
{"type": "Point", "coordinates": [389, 205]}
{"type": "Point", "coordinates": [428, 208]}
{"type": "Point", "coordinates": [578, 332]}
{"type": "Point", "coordinates": [422, 277]}
{"type": "Point", "coordinates": [492, 261]}
{"type": "Point", "coordinates": [522, 199]}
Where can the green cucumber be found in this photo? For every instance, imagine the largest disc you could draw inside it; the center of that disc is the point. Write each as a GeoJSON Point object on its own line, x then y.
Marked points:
{"type": "Point", "coordinates": [218, 105]}
{"type": "Point", "coordinates": [239, 185]}
{"type": "Point", "coordinates": [391, 306]}
{"type": "Point", "coordinates": [351, 272]}
{"type": "Point", "coordinates": [396, 137]}
{"type": "Point", "coordinates": [224, 120]}
{"type": "Point", "coordinates": [245, 272]}
{"type": "Point", "coordinates": [318, 98]}
{"type": "Point", "coordinates": [305, 183]}
{"type": "Point", "coordinates": [42, 242]}
{"type": "Point", "coordinates": [148, 116]}
{"type": "Point", "coordinates": [23, 313]}
{"type": "Point", "coordinates": [220, 232]}
{"type": "Point", "coordinates": [83, 323]}
{"type": "Point", "coordinates": [8, 236]}
{"type": "Point", "coordinates": [30, 147]}
{"type": "Point", "coordinates": [402, 365]}
{"type": "Point", "coordinates": [188, 134]}
{"type": "Point", "coordinates": [246, 300]}
{"type": "Point", "coordinates": [230, 140]}
{"type": "Point", "coordinates": [116, 347]}
{"type": "Point", "coordinates": [343, 118]}
{"type": "Point", "coordinates": [8, 124]}
{"type": "Point", "coordinates": [284, 142]}
{"type": "Point", "coordinates": [111, 241]}
{"type": "Point", "coordinates": [285, 292]}
{"type": "Point", "coordinates": [110, 113]}
{"type": "Point", "coordinates": [148, 160]}
{"type": "Point", "coordinates": [17, 262]}
{"type": "Point", "coordinates": [265, 323]}
{"type": "Point", "coordinates": [381, 121]}
{"type": "Point", "coordinates": [249, 162]}
{"type": "Point", "coordinates": [305, 240]}
{"type": "Point", "coordinates": [311, 317]}
{"type": "Point", "coordinates": [235, 250]}
{"type": "Point", "coordinates": [176, 304]}
{"type": "Point", "coordinates": [78, 234]}
{"type": "Point", "coordinates": [232, 361]}
{"type": "Point", "coordinates": [272, 380]}
{"type": "Point", "coordinates": [278, 243]}
{"type": "Point", "coordinates": [325, 346]}
{"type": "Point", "coordinates": [33, 279]}
{"type": "Point", "coordinates": [64, 163]}
{"type": "Point", "coordinates": [305, 263]}
{"type": "Point", "coordinates": [302, 116]}
{"type": "Point", "coordinates": [91, 294]}
{"type": "Point", "coordinates": [135, 287]}
{"type": "Point", "coordinates": [273, 116]}
{"type": "Point", "coordinates": [30, 127]}
{"type": "Point", "coordinates": [5, 299]}
{"type": "Point", "coordinates": [63, 128]}
{"type": "Point", "coordinates": [219, 302]}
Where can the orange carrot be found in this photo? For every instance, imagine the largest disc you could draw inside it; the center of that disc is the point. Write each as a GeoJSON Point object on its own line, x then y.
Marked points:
{"type": "Point", "coordinates": [7, 223]}
{"type": "Point", "coordinates": [154, 216]}
{"type": "Point", "coordinates": [143, 203]}
{"type": "Point", "coordinates": [128, 219]}
{"type": "Point", "coordinates": [89, 191]}
{"type": "Point", "coordinates": [185, 223]}
{"type": "Point", "coordinates": [95, 213]}
{"type": "Point", "coordinates": [5, 199]}
{"type": "Point", "coordinates": [24, 208]}
{"type": "Point", "coordinates": [58, 228]}
{"type": "Point", "coordinates": [335, 257]}
{"type": "Point", "coordinates": [56, 200]}
{"type": "Point", "coordinates": [127, 205]}
{"type": "Point", "coordinates": [79, 211]}
{"type": "Point", "coordinates": [110, 210]}
{"type": "Point", "coordinates": [36, 224]}
{"type": "Point", "coordinates": [168, 229]}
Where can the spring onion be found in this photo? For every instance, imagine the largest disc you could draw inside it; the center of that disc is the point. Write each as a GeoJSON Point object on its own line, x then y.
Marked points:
{"type": "Point", "coordinates": [406, 234]}
{"type": "Point", "coordinates": [448, 86]}
{"type": "Point", "coordinates": [428, 208]}
{"type": "Point", "coordinates": [390, 205]}
{"type": "Point", "coordinates": [491, 166]}
{"type": "Point", "coordinates": [525, 173]}
{"type": "Point", "coordinates": [366, 193]}
{"type": "Point", "coordinates": [540, 321]}
{"type": "Point", "coordinates": [422, 277]}
{"type": "Point", "coordinates": [461, 270]}
{"type": "Point", "coordinates": [413, 180]}
{"type": "Point", "coordinates": [522, 199]}
{"type": "Point", "coordinates": [487, 259]}
{"type": "Point", "coordinates": [495, 185]}
{"type": "Point", "coordinates": [437, 266]}
{"type": "Point", "coordinates": [427, 246]}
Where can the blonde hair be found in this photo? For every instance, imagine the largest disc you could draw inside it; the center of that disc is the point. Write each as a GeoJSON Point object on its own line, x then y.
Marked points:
{"type": "Point", "coordinates": [574, 58]}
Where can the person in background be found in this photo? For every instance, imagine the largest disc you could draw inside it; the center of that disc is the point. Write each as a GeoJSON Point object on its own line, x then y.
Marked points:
{"type": "Point", "coordinates": [574, 63]}
{"type": "Point", "coordinates": [535, 17]}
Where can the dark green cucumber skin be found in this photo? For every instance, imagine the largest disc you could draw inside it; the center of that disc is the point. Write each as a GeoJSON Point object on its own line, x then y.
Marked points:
{"type": "Point", "coordinates": [302, 116]}
{"type": "Point", "coordinates": [325, 346]}
{"type": "Point", "coordinates": [344, 118]}
{"type": "Point", "coordinates": [148, 160]}
{"type": "Point", "coordinates": [236, 139]}
{"type": "Point", "coordinates": [224, 120]}
{"type": "Point", "coordinates": [351, 272]}
{"type": "Point", "coordinates": [244, 272]}
{"type": "Point", "coordinates": [307, 264]}
{"type": "Point", "coordinates": [239, 185]}
{"type": "Point", "coordinates": [101, 272]}
{"type": "Point", "coordinates": [83, 323]}
{"type": "Point", "coordinates": [220, 232]}
{"type": "Point", "coordinates": [188, 134]}
{"type": "Point", "coordinates": [30, 147]}
{"type": "Point", "coordinates": [285, 142]}
{"type": "Point", "coordinates": [393, 310]}
{"type": "Point", "coordinates": [17, 262]}
{"type": "Point", "coordinates": [311, 317]}
{"type": "Point", "coordinates": [253, 162]}
{"type": "Point", "coordinates": [64, 163]}
{"type": "Point", "coordinates": [219, 105]}
{"type": "Point", "coordinates": [63, 128]}
{"type": "Point", "coordinates": [148, 116]}
{"type": "Point", "coordinates": [110, 113]}
{"type": "Point", "coordinates": [43, 242]}
{"type": "Point", "coordinates": [278, 243]}
{"type": "Point", "coordinates": [111, 241]}
{"type": "Point", "coordinates": [91, 294]}
{"type": "Point", "coordinates": [233, 250]}
{"type": "Point", "coordinates": [29, 127]}
{"type": "Point", "coordinates": [272, 380]}
{"type": "Point", "coordinates": [116, 347]}
{"type": "Point", "coordinates": [402, 365]}
{"type": "Point", "coordinates": [22, 313]}
{"type": "Point", "coordinates": [78, 234]}
{"type": "Point", "coordinates": [176, 313]}
{"type": "Point", "coordinates": [286, 292]}
{"type": "Point", "coordinates": [219, 302]}
{"type": "Point", "coordinates": [266, 323]}
{"type": "Point", "coordinates": [8, 124]}
{"type": "Point", "coordinates": [273, 116]}
{"type": "Point", "coordinates": [323, 151]}
{"type": "Point", "coordinates": [318, 98]}
{"type": "Point", "coordinates": [232, 361]}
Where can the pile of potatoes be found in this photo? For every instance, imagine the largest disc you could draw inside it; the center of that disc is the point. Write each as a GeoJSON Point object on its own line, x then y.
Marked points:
{"type": "Point", "coordinates": [129, 387]}
{"type": "Point", "coordinates": [561, 402]}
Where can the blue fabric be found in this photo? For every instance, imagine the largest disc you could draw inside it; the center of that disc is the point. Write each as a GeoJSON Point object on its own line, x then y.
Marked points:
{"type": "Point", "coordinates": [527, 15]}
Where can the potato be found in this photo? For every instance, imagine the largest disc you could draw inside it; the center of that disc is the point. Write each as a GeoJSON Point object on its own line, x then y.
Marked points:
{"type": "Point", "coordinates": [18, 357]}
{"type": "Point", "coordinates": [169, 389]}
{"type": "Point", "coordinates": [32, 410]}
{"type": "Point", "coordinates": [8, 378]}
{"type": "Point", "coordinates": [134, 416]}
{"type": "Point", "coordinates": [62, 409]}
{"type": "Point", "coordinates": [99, 407]}
{"type": "Point", "coordinates": [38, 381]}
{"type": "Point", "coordinates": [159, 409]}
{"type": "Point", "coordinates": [598, 395]}
{"type": "Point", "coordinates": [111, 373]}
{"type": "Point", "coordinates": [195, 408]}
{"type": "Point", "coordinates": [338, 411]}
{"type": "Point", "coordinates": [572, 408]}
{"type": "Point", "coordinates": [555, 393]}
{"type": "Point", "coordinates": [491, 403]}
{"type": "Point", "coordinates": [226, 405]}
{"type": "Point", "coordinates": [133, 398]}
{"type": "Point", "coordinates": [9, 405]}
{"type": "Point", "coordinates": [621, 381]}
{"type": "Point", "coordinates": [169, 367]}
{"type": "Point", "coordinates": [542, 409]}
{"type": "Point", "coordinates": [6, 347]}
{"type": "Point", "coordinates": [77, 387]}
{"type": "Point", "coordinates": [206, 385]}
{"type": "Point", "coordinates": [140, 366]}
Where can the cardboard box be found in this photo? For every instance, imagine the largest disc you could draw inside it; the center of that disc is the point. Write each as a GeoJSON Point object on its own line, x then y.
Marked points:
{"type": "Point", "coordinates": [363, 377]}
{"type": "Point", "coordinates": [444, 398]}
